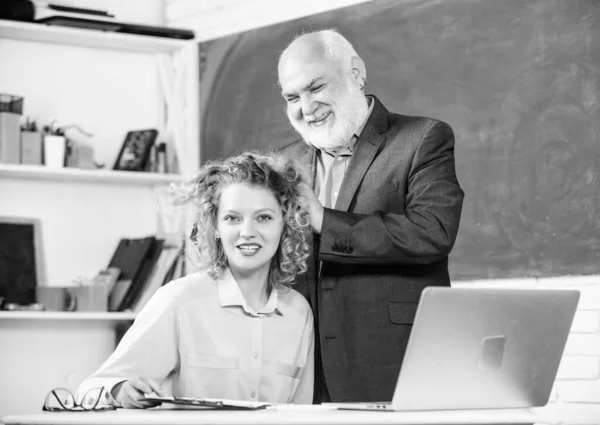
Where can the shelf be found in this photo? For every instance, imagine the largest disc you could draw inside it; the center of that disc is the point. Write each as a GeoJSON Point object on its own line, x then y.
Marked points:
{"type": "Point", "coordinates": [42, 33]}
{"type": "Point", "coordinates": [67, 315]}
{"type": "Point", "coordinates": [74, 175]}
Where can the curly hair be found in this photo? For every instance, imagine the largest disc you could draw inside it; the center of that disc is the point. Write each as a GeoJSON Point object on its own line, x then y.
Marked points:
{"type": "Point", "coordinates": [283, 178]}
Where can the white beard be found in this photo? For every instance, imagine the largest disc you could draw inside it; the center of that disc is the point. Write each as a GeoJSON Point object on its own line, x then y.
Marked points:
{"type": "Point", "coordinates": [348, 113]}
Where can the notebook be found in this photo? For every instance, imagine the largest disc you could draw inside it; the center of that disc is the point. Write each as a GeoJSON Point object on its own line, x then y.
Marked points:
{"type": "Point", "coordinates": [481, 349]}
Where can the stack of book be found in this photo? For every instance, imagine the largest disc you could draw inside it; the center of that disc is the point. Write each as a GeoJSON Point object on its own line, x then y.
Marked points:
{"type": "Point", "coordinates": [146, 264]}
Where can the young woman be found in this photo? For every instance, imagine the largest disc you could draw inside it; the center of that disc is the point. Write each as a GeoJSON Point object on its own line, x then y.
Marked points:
{"type": "Point", "coordinates": [235, 330]}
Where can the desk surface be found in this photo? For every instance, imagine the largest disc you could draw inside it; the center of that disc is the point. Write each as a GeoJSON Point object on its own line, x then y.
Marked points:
{"type": "Point", "coordinates": [280, 415]}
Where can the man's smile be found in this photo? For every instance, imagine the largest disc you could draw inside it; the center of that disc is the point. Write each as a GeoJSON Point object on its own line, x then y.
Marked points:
{"type": "Point", "coordinates": [320, 121]}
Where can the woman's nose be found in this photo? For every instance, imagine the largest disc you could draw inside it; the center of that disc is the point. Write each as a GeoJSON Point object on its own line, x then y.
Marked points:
{"type": "Point", "coordinates": [247, 229]}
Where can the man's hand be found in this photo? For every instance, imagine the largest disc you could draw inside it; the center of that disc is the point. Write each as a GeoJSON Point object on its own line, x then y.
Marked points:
{"type": "Point", "coordinates": [129, 393]}
{"type": "Point", "coordinates": [315, 209]}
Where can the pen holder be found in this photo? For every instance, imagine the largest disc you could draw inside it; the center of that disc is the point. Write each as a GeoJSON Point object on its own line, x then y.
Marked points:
{"type": "Point", "coordinates": [55, 148]}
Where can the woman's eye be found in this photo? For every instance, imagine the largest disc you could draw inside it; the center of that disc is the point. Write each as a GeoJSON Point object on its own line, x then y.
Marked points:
{"type": "Point", "coordinates": [317, 88]}
{"type": "Point", "coordinates": [264, 217]}
{"type": "Point", "coordinates": [291, 99]}
{"type": "Point", "coordinates": [230, 218]}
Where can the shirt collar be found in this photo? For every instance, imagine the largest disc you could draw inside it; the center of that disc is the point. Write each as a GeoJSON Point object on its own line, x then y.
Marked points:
{"type": "Point", "coordinates": [347, 150]}
{"type": "Point", "coordinates": [231, 295]}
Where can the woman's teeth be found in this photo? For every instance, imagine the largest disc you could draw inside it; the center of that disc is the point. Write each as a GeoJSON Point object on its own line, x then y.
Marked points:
{"type": "Point", "coordinates": [249, 248]}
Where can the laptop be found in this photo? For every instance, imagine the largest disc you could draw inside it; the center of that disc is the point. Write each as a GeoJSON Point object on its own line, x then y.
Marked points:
{"type": "Point", "coordinates": [481, 349]}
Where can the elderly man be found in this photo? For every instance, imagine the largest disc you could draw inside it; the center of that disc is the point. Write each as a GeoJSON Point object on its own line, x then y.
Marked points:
{"type": "Point", "coordinates": [385, 214]}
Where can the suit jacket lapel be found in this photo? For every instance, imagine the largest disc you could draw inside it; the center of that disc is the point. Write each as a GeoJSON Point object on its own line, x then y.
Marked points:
{"type": "Point", "coordinates": [366, 148]}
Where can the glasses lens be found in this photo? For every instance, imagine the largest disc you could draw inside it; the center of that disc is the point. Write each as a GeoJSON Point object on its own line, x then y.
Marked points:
{"type": "Point", "coordinates": [91, 398]}
{"type": "Point", "coordinates": [59, 399]}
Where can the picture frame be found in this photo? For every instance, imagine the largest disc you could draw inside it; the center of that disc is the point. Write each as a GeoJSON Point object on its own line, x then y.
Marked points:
{"type": "Point", "coordinates": [22, 259]}
{"type": "Point", "coordinates": [135, 151]}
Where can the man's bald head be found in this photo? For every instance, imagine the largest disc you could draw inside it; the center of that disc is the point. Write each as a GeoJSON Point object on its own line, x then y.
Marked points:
{"type": "Point", "coordinates": [320, 46]}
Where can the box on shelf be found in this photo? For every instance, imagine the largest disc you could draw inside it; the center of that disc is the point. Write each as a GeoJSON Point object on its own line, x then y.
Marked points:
{"type": "Point", "coordinates": [11, 108]}
{"type": "Point", "coordinates": [73, 298]}
{"type": "Point", "coordinates": [31, 148]}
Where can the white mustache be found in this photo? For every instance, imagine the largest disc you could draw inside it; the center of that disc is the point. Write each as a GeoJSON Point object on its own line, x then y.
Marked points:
{"type": "Point", "coordinates": [310, 121]}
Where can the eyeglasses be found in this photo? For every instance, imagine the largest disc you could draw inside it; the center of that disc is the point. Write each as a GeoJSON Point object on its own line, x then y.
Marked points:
{"type": "Point", "coordinates": [61, 399]}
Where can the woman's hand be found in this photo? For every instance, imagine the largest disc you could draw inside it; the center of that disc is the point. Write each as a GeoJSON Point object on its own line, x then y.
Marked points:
{"type": "Point", "coordinates": [129, 393]}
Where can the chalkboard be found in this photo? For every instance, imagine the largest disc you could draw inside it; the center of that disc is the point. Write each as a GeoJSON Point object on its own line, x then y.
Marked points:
{"type": "Point", "coordinates": [519, 82]}
{"type": "Point", "coordinates": [20, 259]}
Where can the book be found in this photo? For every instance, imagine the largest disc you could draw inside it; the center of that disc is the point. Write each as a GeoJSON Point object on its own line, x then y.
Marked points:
{"type": "Point", "coordinates": [137, 285]}
{"type": "Point", "coordinates": [116, 295]}
{"type": "Point", "coordinates": [128, 257]}
{"type": "Point", "coordinates": [175, 272]}
{"type": "Point", "coordinates": [160, 273]}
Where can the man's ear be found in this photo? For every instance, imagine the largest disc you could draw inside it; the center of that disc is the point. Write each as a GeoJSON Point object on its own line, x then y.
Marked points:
{"type": "Point", "coordinates": [358, 70]}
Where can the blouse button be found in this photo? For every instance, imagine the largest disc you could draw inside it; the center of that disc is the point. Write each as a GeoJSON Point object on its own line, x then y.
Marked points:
{"type": "Point", "coordinates": [252, 394]}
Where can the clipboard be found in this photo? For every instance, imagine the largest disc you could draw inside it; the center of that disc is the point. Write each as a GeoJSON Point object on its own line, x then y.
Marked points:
{"type": "Point", "coordinates": [209, 403]}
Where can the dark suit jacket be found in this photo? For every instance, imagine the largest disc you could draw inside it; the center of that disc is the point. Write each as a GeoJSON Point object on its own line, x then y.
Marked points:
{"type": "Point", "coordinates": [389, 236]}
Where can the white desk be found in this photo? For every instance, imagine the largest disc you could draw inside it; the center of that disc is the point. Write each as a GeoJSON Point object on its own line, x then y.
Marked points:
{"type": "Point", "coordinates": [281, 415]}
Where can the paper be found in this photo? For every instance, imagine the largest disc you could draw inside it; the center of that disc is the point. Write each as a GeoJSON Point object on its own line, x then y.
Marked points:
{"type": "Point", "coordinates": [209, 402]}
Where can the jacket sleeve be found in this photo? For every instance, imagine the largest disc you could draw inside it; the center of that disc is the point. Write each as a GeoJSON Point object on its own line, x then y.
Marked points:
{"type": "Point", "coordinates": [424, 233]}
{"type": "Point", "coordinates": [148, 349]}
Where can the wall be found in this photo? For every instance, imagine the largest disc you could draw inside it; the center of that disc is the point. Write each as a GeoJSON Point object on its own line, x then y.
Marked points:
{"type": "Point", "coordinates": [576, 396]}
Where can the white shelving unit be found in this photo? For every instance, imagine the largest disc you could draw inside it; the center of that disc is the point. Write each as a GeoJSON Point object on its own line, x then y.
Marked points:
{"type": "Point", "coordinates": [124, 316]}
{"type": "Point", "coordinates": [43, 33]}
{"type": "Point", "coordinates": [185, 50]}
{"type": "Point", "coordinates": [76, 175]}
{"type": "Point", "coordinates": [109, 83]}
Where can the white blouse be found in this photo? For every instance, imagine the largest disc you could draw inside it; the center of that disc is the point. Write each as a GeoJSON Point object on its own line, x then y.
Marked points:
{"type": "Point", "coordinates": [198, 337]}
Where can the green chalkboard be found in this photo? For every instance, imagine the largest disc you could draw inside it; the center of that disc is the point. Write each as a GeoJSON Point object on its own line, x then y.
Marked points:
{"type": "Point", "coordinates": [518, 80]}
